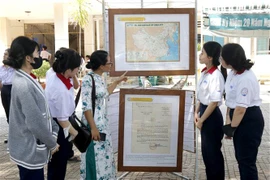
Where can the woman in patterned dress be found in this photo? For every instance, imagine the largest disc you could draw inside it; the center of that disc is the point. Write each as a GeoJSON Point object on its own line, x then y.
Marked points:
{"type": "Point", "coordinates": [98, 161]}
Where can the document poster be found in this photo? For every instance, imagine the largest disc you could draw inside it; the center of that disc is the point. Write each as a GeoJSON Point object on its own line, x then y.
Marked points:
{"type": "Point", "coordinates": [151, 130]}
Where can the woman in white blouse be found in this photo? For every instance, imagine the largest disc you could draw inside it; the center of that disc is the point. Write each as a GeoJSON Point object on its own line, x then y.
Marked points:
{"type": "Point", "coordinates": [208, 117]}
{"type": "Point", "coordinates": [6, 74]}
{"type": "Point", "coordinates": [60, 95]}
{"type": "Point", "coordinates": [244, 117]}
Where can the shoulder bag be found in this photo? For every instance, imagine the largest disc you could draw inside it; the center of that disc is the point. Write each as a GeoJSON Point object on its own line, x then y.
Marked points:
{"type": "Point", "coordinates": [84, 137]}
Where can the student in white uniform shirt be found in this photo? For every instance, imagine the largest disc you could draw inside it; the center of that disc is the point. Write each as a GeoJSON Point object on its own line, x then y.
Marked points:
{"type": "Point", "coordinates": [60, 94]}
{"type": "Point", "coordinates": [208, 117]}
{"type": "Point", "coordinates": [75, 81]}
{"type": "Point", "coordinates": [76, 85]}
{"type": "Point", "coordinates": [244, 116]}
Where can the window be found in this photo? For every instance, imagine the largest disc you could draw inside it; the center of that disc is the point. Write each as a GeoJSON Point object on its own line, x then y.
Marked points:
{"type": "Point", "coordinates": [263, 45]}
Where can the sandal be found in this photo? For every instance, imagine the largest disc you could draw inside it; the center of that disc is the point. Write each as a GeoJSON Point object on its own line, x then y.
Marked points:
{"type": "Point", "coordinates": [75, 159]}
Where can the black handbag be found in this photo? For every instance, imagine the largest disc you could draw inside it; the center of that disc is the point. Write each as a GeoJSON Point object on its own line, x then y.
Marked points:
{"type": "Point", "coordinates": [84, 137]}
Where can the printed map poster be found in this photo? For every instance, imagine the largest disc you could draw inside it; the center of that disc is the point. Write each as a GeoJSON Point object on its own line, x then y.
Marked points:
{"type": "Point", "coordinates": [151, 125]}
{"type": "Point", "coordinates": [152, 42]}
{"type": "Point", "coordinates": [144, 43]}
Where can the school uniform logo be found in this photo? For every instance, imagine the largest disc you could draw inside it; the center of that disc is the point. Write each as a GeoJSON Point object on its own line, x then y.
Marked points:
{"type": "Point", "coordinates": [244, 91]}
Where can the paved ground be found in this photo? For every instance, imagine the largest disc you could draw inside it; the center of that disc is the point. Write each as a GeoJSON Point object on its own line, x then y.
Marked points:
{"type": "Point", "coordinates": [9, 171]}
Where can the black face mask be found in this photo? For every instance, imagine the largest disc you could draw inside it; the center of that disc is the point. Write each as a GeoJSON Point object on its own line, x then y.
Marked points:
{"type": "Point", "coordinates": [38, 63]}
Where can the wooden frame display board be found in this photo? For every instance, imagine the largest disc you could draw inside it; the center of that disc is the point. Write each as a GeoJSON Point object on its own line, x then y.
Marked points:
{"type": "Point", "coordinates": [151, 124]}
{"type": "Point", "coordinates": [149, 42]}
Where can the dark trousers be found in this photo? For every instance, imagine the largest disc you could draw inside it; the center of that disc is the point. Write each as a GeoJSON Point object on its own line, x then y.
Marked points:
{"type": "Point", "coordinates": [246, 140]}
{"type": "Point", "coordinates": [211, 137]}
{"type": "Point", "coordinates": [70, 150]}
{"type": "Point", "coordinates": [5, 97]}
{"type": "Point", "coordinates": [58, 164]}
{"type": "Point", "coordinates": [30, 174]}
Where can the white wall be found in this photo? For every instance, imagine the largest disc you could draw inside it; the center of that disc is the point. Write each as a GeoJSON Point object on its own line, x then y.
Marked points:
{"type": "Point", "coordinates": [3, 35]}
{"type": "Point", "coordinates": [246, 44]}
{"type": "Point", "coordinates": [16, 28]}
{"type": "Point", "coordinates": [261, 66]}
{"type": "Point", "coordinates": [9, 30]}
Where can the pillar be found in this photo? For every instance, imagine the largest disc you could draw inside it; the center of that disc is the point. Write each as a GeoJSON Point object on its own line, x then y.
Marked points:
{"type": "Point", "coordinates": [89, 35]}
{"type": "Point", "coordinates": [3, 34]}
{"type": "Point", "coordinates": [61, 25]}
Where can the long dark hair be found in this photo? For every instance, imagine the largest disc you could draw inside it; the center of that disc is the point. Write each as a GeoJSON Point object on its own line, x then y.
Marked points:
{"type": "Point", "coordinates": [20, 48]}
{"type": "Point", "coordinates": [233, 54]}
{"type": "Point", "coordinates": [97, 58]}
{"type": "Point", "coordinates": [66, 59]}
{"type": "Point", "coordinates": [213, 49]}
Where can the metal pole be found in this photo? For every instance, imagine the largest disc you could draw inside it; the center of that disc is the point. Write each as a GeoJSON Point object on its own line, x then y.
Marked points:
{"type": "Point", "coordinates": [123, 175]}
{"type": "Point", "coordinates": [104, 26]}
{"type": "Point", "coordinates": [142, 78]}
{"type": "Point", "coordinates": [181, 176]}
{"type": "Point", "coordinates": [105, 75]}
{"type": "Point", "coordinates": [196, 77]}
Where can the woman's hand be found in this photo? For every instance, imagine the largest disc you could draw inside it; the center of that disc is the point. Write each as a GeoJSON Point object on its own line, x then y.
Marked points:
{"type": "Point", "coordinates": [196, 117]}
{"type": "Point", "coordinates": [117, 81]}
{"type": "Point", "coordinates": [197, 121]}
{"type": "Point", "coordinates": [228, 121]}
{"type": "Point", "coordinates": [72, 136]}
{"type": "Point", "coordinates": [199, 124]}
{"type": "Point", "coordinates": [55, 149]}
{"type": "Point", "coordinates": [122, 78]}
{"type": "Point", "coordinates": [95, 134]}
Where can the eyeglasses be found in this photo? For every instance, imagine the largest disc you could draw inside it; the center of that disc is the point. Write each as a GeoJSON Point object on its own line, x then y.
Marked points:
{"type": "Point", "coordinates": [109, 63]}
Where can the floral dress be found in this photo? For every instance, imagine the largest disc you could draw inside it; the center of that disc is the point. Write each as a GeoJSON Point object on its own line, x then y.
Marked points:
{"type": "Point", "coordinates": [98, 161]}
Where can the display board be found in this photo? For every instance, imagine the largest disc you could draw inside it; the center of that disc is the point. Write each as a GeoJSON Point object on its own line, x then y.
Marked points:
{"type": "Point", "coordinates": [151, 124]}
{"type": "Point", "coordinates": [147, 42]}
{"type": "Point", "coordinates": [189, 128]}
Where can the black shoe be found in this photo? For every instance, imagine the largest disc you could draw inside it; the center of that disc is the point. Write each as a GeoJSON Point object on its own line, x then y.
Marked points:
{"type": "Point", "coordinates": [5, 141]}
{"type": "Point", "coordinates": [75, 159]}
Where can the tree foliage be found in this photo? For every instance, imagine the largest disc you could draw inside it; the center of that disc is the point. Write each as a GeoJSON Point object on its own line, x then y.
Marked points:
{"type": "Point", "coordinates": [41, 72]}
{"type": "Point", "coordinates": [80, 12]}
{"type": "Point", "coordinates": [80, 16]}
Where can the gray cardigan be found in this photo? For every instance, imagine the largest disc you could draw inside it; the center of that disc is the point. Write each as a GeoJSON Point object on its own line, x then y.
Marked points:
{"type": "Point", "coordinates": [32, 132]}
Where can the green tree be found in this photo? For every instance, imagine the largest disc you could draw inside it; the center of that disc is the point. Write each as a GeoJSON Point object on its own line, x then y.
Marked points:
{"type": "Point", "coordinates": [199, 47]}
{"type": "Point", "coordinates": [80, 15]}
{"type": "Point", "coordinates": [41, 72]}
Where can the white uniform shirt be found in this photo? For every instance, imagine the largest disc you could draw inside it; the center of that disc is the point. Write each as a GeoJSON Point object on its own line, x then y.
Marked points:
{"type": "Point", "coordinates": [210, 86]}
{"type": "Point", "coordinates": [6, 74]}
{"type": "Point", "coordinates": [45, 54]}
{"type": "Point", "coordinates": [60, 99]}
{"type": "Point", "coordinates": [242, 89]}
{"type": "Point", "coordinates": [49, 73]}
